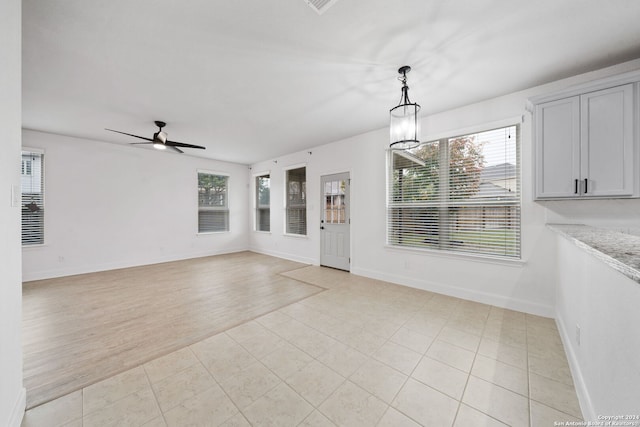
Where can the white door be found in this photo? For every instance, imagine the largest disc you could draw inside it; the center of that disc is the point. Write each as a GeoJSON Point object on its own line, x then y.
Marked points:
{"type": "Point", "coordinates": [335, 221]}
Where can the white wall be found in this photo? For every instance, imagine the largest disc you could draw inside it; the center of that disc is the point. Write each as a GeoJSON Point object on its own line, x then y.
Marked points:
{"type": "Point", "coordinates": [12, 394]}
{"type": "Point", "coordinates": [528, 286]}
{"type": "Point", "coordinates": [604, 302]}
{"type": "Point", "coordinates": [618, 214]}
{"type": "Point", "coordinates": [112, 206]}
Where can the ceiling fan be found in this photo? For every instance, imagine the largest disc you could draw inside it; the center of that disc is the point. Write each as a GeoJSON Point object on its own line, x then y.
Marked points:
{"type": "Point", "coordinates": [160, 141]}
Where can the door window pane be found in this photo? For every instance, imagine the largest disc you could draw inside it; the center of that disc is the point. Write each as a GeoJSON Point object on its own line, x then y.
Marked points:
{"type": "Point", "coordinates": [335, 209]}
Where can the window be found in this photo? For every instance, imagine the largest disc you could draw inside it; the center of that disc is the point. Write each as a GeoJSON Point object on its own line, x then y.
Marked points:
{"type": "Point", "coordinates": [32, 191]}
{"type": "Point", "coordinates": [263, 220]}
{"type": "Point", "coordinates": [26, 166]}
{"type": "Point", "coordinates": [296, 201]}
{"type": "Point", "coordinates": [213, 205]}
{"type": "Point", "coordinates": [458, 194]}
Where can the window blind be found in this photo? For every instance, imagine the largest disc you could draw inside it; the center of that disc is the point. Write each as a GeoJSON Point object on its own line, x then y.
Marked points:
{"type": "Point", "coordinates": [459, 194]}
{"type": "Point", "coordinates": [263, 203]}
{"type": "Point", "coordinates": [296, 220]}
{"type": "Point", "coordinates": [32, 191]}
{"type": "Point", "coordinates": [213, 209]}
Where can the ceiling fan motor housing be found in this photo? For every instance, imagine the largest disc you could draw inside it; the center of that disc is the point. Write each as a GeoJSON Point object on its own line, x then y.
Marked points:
{"type": "Point", "coordinates": [160, 136]}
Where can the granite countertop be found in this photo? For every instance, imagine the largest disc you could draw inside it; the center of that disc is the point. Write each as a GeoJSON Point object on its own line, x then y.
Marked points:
{"type": "Point", "coordinates": [619, 250]}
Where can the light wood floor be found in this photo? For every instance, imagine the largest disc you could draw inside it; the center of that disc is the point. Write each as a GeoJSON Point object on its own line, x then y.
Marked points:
{"type": "Point", "coordinates": [80, 329]}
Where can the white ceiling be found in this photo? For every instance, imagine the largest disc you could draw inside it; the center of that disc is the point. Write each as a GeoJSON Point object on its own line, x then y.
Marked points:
{"type": "Point", "coordinates": [255, 79]}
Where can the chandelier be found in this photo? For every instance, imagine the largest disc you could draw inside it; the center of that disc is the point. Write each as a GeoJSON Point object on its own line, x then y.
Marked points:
{"type": "Point", "coordinates": [404, 128]}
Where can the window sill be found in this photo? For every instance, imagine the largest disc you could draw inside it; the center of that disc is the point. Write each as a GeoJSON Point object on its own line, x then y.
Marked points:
{"type": "Point", "coordinates": [296, 236]}
{"type": "Point", "coordinates": [39, 245]}
{"type": "Point", "coordinates": [207, 233]}
{"type": "Point", "coordinates": [261, 232]}
{"type": "Point", "coordinates": [485, 259]}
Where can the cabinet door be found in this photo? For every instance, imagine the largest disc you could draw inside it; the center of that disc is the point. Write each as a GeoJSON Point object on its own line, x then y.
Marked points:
{"type": "Point", "coordinates": [557, 148]}
{"type": "Point", "coordinates": [607, 149]}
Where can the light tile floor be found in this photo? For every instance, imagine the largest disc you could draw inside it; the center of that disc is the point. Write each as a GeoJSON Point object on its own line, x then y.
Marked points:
{"type": "Point", "coordinates": [362, 353]}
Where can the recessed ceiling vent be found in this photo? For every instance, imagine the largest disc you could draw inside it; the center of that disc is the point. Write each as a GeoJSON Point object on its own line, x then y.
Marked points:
{"type": "Point", "coordinates": [320, 6]}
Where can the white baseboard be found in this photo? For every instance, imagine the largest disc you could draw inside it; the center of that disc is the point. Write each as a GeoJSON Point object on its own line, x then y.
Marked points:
{"type": "Point", "coordinates": [28, 276]}
{"type": "Point", "coordinates": [586, 406]}
{"type": "Point", "coordinates": [477, 296]}
{"type": "Point", "coordinates": [287, 256]}
{"type": "Point", "coordinates": [17, 413]}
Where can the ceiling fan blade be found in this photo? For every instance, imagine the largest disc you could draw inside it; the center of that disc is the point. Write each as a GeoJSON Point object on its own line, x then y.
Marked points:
{"type": "Point", "coordinates": [136, 143]}
{"type": "Point", "coordinates": [174, 148]}
{"type": "Point", "coordinates": [180, 144]}
{"type": "Point", "coordinates": [130, 134]}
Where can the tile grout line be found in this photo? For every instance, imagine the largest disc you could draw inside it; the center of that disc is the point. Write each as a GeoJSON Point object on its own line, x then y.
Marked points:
{"type": "Point", "coordinates": [345, 379]}
{"type": "Point", "coordinates": [464, 389]}
{"type": "Point", "coordinates": [526, 340]}
{"type": "Point", "coordinates": [218, 384]}
{"type": "Point", "coordinates": [284, 380]}
{"type": "Point", "coordinates": [155, 396]}
{"type": "Point", "coordinates": [390, 405]}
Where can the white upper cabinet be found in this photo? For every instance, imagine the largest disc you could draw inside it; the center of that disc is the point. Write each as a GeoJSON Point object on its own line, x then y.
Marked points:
{"type": "Point", "coordinates": [558, 148]}
{"type": "Point", "coordinates": [607, 149]}
{"type": "Point", "coordinates": [586, 144]}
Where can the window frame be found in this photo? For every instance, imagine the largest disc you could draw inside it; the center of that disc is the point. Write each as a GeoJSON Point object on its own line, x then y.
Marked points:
{"type": "Point", "coordinates": [256, 201]}
{"type": "Point", "coordinates": [226, 209]}
{"type": "Point", "coordinates": [287, 206]}
{"type": "Point", "coordinates": [43, 235]}
{"type": "Point", "coordinates": [446, 248]}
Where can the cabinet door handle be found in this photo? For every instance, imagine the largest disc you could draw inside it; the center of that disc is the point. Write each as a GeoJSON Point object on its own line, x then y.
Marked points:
{"type": "Point", "coordinates": [575, 190]}
{"type": "Point", "coordinates": [585, 186]}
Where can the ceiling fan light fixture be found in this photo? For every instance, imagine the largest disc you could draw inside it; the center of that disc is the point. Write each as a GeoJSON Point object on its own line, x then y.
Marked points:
{"type": "Point", "coordinates": [404, 126]}
{"type": "Point", "coordinates": [160, 139]}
